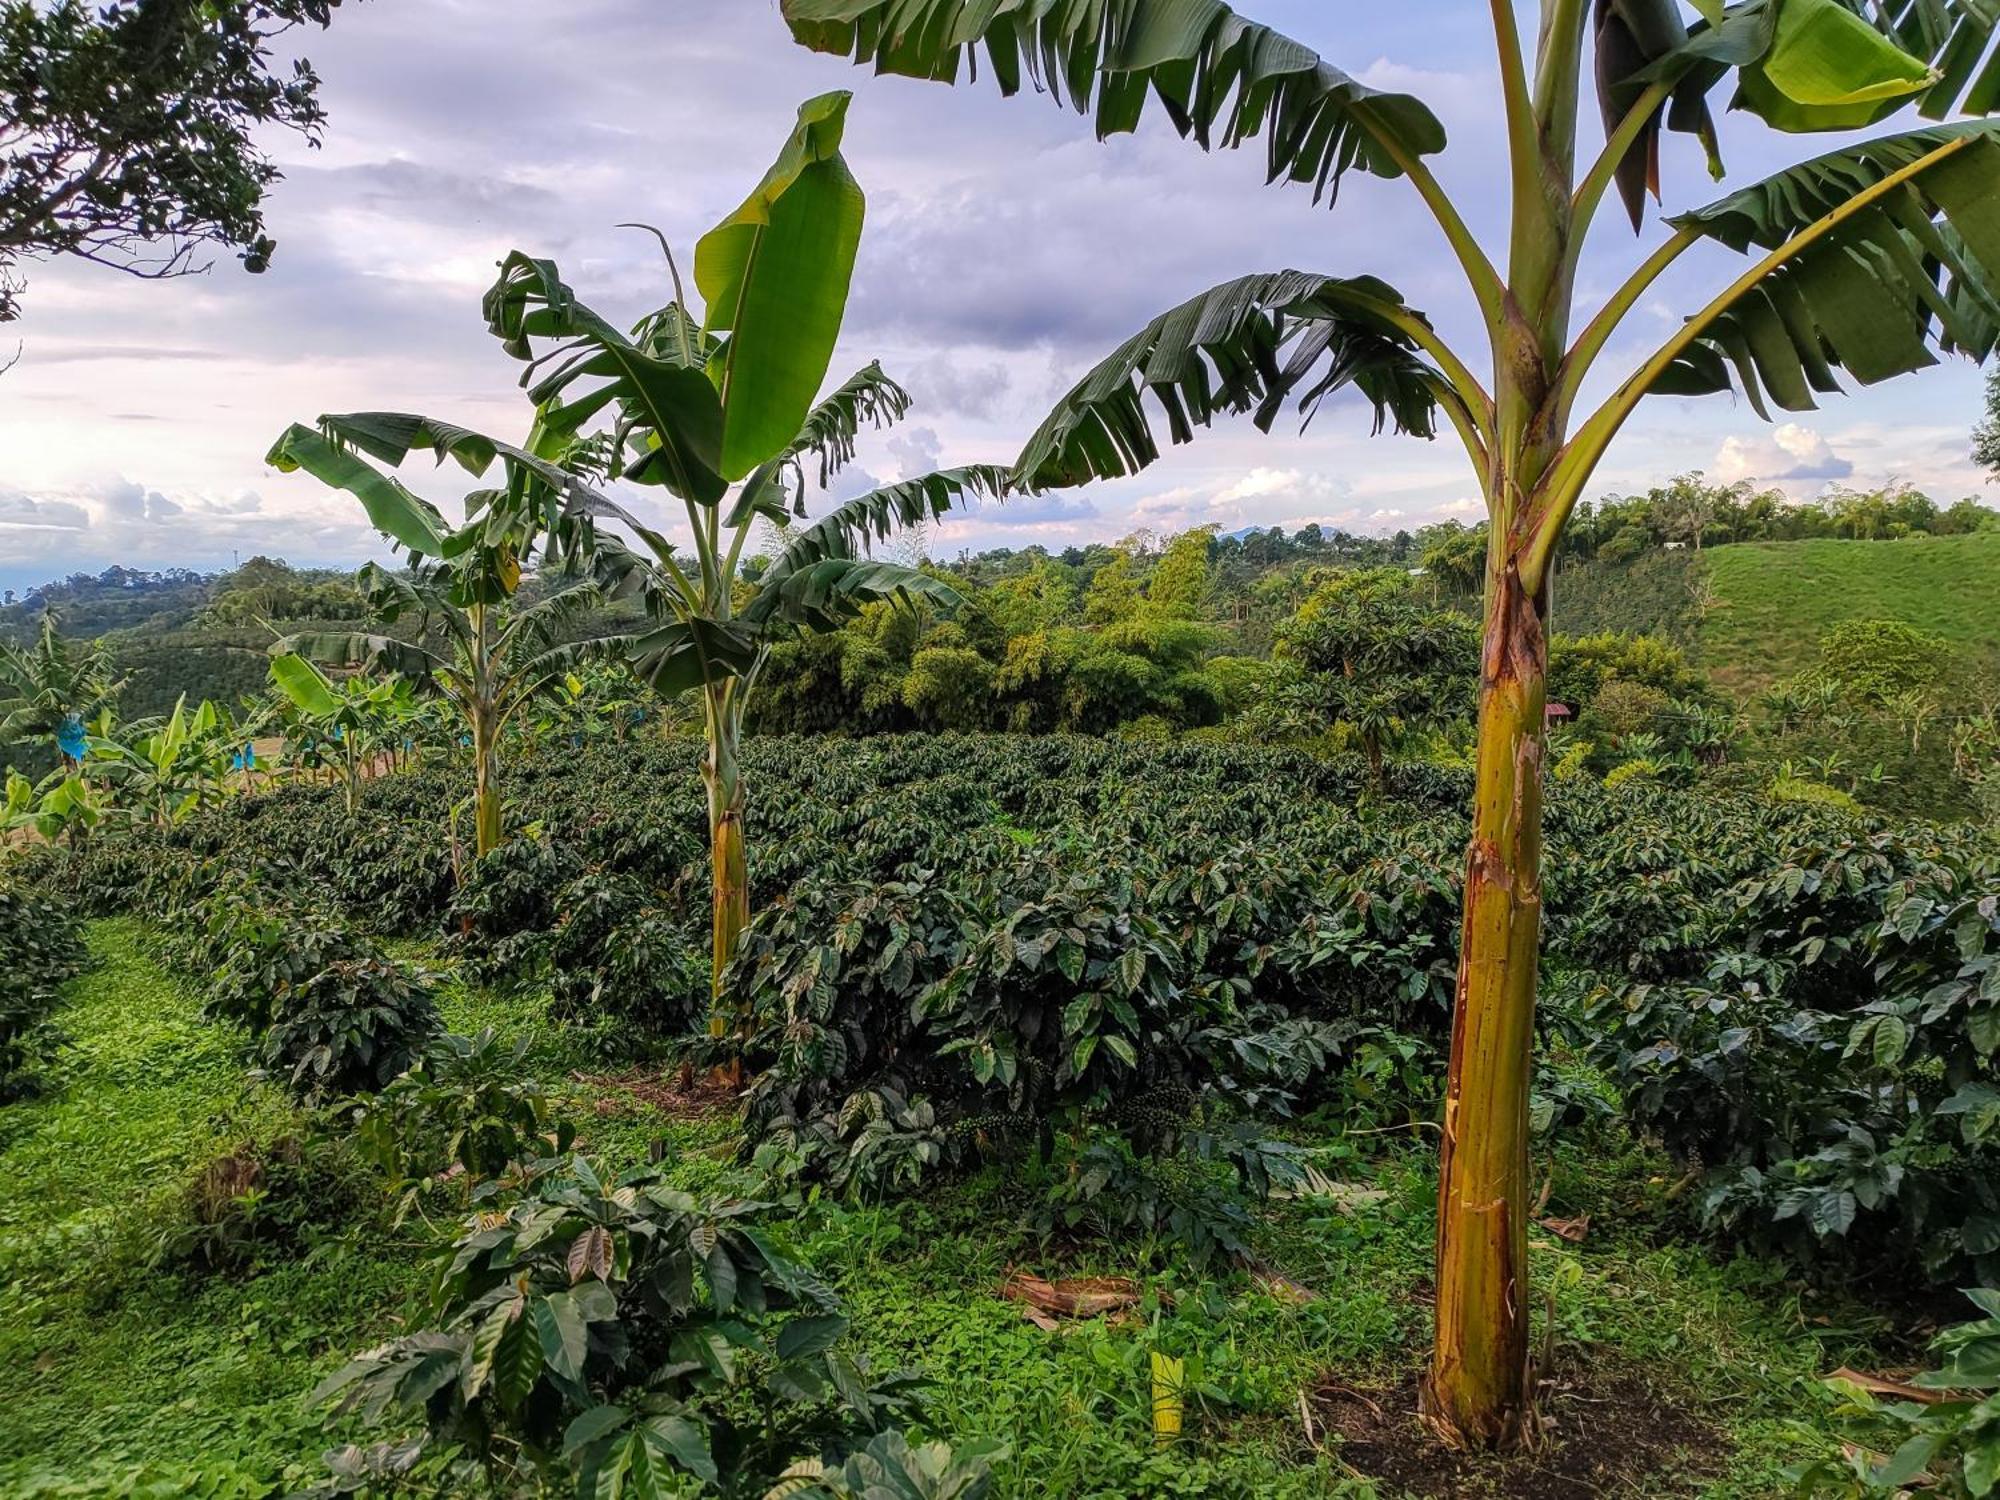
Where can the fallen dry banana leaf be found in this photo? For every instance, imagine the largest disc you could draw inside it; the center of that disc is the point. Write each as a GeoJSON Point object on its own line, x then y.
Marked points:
{"type": "Point", "coordinates": [1083, 1297]}
{"type": "Point", "coordinates": [1881, 1385]}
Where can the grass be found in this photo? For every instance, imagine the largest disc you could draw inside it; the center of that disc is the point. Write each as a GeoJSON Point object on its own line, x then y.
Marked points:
{"type": "Point", "coordinates": [120, 1379]}
{"type": "Point", "coordinates": [1775, 600]}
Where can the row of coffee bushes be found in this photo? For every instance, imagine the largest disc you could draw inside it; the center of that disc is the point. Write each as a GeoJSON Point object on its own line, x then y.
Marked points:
{"type": "Point", "coordinates": [964, 940]}
{"type": "Point", "coordinates": [1823, 1037]}
{"type": "Point", "coordinates": [41, 949]}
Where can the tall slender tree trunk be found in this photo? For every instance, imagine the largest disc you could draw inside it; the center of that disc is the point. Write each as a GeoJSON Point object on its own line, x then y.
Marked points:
{"type": "Point", "coordinates": [487, 830]}
{"type": "Point", "coordinates": [722, 774]}
{"type": "Point", "coordinates": [1480, 1384]}
{"type": "Point", "coordinates": [486, 825]}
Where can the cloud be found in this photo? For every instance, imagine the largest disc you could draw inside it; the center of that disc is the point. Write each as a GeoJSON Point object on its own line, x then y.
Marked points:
{"type": "Point", "coordinates": [23, 513]}
{"type": "Point", "coordinates": [916, 451]}
{"type": "Point", "coordinates": [1057, 507]}
{"type": "Point", "coordinates": [941, 383]}
{"type": "Point", "coordinates": [1791, 452]}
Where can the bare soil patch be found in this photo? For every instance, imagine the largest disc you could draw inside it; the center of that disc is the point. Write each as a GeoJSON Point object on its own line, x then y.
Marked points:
{"type": "Point", "coordinates": [1606, 1432]}
{"type": "Point", "coordinates": [677, 1095]}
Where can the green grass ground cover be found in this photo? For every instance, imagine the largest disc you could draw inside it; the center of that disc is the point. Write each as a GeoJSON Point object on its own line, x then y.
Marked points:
{"type": "Point", "coordinates": [1775, 599]}
{"type": "Point", "coordinates": [120, 1379]}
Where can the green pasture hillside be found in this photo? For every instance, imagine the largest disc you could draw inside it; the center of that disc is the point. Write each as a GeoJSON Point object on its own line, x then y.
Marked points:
{"type": "Point", "coordinates": [1772, 601]}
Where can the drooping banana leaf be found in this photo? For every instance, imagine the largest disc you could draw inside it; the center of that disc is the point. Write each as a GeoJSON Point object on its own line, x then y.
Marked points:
{"type": "Point", "coordinates": [1248, 345]}
{"type": "Point", "coordinates": [686, 653]}
{"type": "Point", "coordinates": [851, 528]}
{"type": "Point", "coordinates": [383, 653]}
{"type": "Point", "coordinates": [822, 595]}
{"type": "Point", "coordinates": [830, 431]}
{"type": "Point", "coordinates": [392, 509]}
{"type": "Point", "coordinates": [774, 276]}
{"type": "Point", "coordinates": [1916, 268]}
{"type": "Point", "coordinates": [1221, 79]}
{"type": "Point", "coordinates": [831, 428]}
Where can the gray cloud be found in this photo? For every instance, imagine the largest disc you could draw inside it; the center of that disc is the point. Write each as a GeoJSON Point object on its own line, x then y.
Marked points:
{"type": "Point", "coordinates": [41, 515]}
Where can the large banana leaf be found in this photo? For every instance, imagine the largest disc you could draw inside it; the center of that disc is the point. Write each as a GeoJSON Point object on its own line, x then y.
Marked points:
{"type": "Point", "coordinates": [1221, 79]}
{"type": "Point", "coordinates": [669, 413]}
{"type": "Point", "coordinates": [851, 528]}
{"type": "Point", "coordinates": [302, 682]}
{"type": "Point", "coordinates": [775, 276]}
{"type": "Point", "coordinates": [1245, 346]}
{"type": "Point", "coordinates": [1916, 266]}
{"type": "Point", "coordinates": [690, 652]}
{"type": "Point", "coordinates": [334, 648]}
{"type": "Point", "coordinates": [822, 595]}
{"type": "Point", "coordinates": [392, 510]}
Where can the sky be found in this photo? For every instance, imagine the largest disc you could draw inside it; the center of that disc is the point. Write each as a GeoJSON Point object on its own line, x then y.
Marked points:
{"type": "Point", "coordinates": [1006, 251]}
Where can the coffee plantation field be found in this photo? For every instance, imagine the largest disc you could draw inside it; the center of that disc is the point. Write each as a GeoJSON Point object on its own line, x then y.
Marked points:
{"type": "Point", "coordinates": [1058, 1007]}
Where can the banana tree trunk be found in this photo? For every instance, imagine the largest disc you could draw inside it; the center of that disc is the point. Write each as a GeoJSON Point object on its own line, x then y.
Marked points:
{"type": "Point", "coordinates": [486, 831]}
{"type": "Point", "coordinates": [722, 774]}
{"type": "Point", "coordinates": [1479, 1388]}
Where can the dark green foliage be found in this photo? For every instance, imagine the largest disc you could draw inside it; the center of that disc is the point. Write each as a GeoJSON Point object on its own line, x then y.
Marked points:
{"type": "Point", "coordinates": [349, 1026]}
{"type": "Point", "coordinates": [625, 962]}
{"type": "Point", "coordinates": [502, 910]}
{"type": "Point", "coordinates": [1654, 595]}
{"type": "Point", "coordinates": [609, 1330]}
{"type": "Point", "coordinates": [40, 950]}
{"type": "Point", "coordinates": [1098, 1184]}
{"type": "Point", "coordinates": [977, 946]}
{"type": "Point", "coordinates": [1821, 1034]}
{"type": "Point", "coordinates": [1373, 663]}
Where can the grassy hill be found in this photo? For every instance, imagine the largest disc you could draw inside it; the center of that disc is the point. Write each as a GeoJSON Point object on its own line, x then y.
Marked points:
{"type": "Point", "coordinates": [1774, 599]}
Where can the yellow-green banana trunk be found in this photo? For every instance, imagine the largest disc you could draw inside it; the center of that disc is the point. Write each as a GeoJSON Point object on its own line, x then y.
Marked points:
{"type": "Point", "coordinates": [486, 825]}
{"type": "Point", "coordinates": [729, 873]}
{"type": "Point", "coordinates": [1479, 1385]}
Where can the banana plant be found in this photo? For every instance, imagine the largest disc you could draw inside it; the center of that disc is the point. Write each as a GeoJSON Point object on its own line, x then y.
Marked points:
{"type": "Point", "coordinates": [722, 409]}
{"type": "Point", "coordinates": [473, 646]}
{"type": "Point", "coordinates": [167, 768]}
{"type": "Point", "coordinates": [52, 689]}
{"type": "Point", "coordinates": [347, 721]}
{"type": "Point", "coordinates": [1863, 262]}
{"type": "Point", "coordinates": [487, 663]}
{"type": "Point", "coordinates": [61, 805]}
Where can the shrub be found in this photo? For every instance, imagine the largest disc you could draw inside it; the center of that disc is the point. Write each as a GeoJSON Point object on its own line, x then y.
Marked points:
{"type": "Point", "coordinates": [349, 1026]}
{"type": "Point", "coordinates": [502, 912]}
{"type": "Point", "coordinates": [598, 1333]}
{"type": "Point", "coordinates": [262, 1199]}
{"type": "Point", "coordinates": [1822, 1039]}
{"type": "Point", "coordinates": [464, 1101]}
{"type": "Point", "coordinates": [624, 964]}
{"type": "Point", "coordinates": [260, 952]}
{"type": "Point", "coordinates": [40, 950]}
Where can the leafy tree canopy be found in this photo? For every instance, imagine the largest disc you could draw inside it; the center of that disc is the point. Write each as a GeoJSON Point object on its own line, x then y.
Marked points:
{"type": "Point", "coordinates": [126, 130]}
